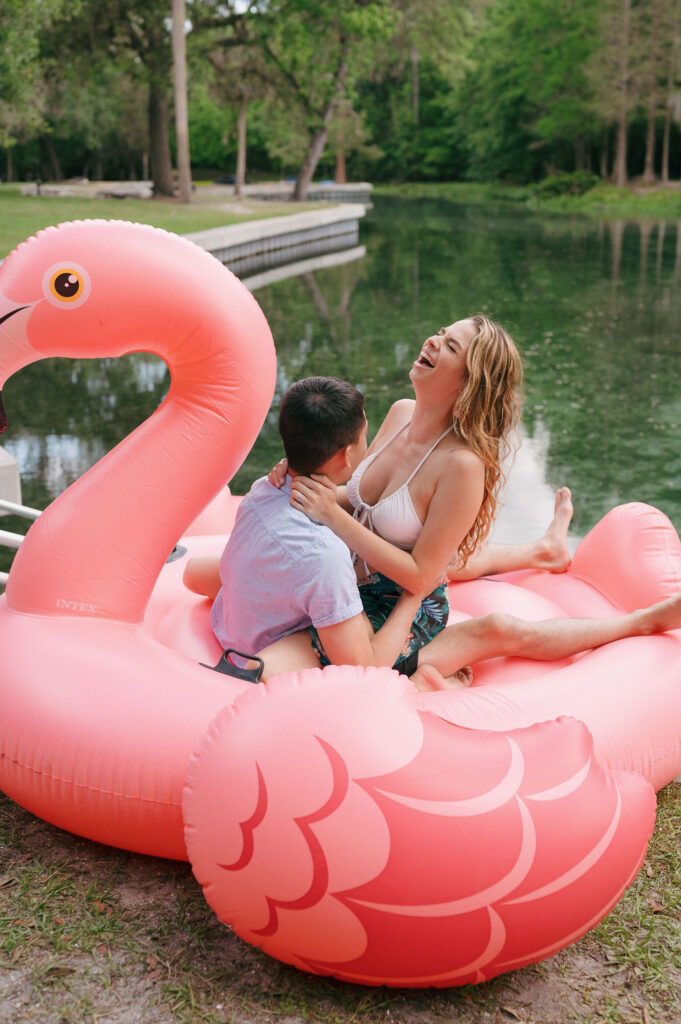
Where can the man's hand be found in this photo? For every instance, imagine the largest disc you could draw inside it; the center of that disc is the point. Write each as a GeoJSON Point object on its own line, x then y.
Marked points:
{"type": "Point", "coordinates": [316, 497]}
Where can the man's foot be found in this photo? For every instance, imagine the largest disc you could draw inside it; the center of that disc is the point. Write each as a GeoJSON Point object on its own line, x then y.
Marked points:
{"type": "Point", "coordinates": [428, 678]}
{"type": "Point", "coordinates": [552, 549]}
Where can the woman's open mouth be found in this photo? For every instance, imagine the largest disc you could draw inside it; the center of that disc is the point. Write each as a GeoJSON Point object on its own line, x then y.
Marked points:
{"type": "Point", "coordinates": [423, 360]}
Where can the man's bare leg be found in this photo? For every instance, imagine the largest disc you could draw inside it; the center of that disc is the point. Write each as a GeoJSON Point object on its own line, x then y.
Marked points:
{"type": "Point", "coordinates": [202, 575]}
{"type": "Point", "coordinates": [500, 635]}
{"type": "Point", "coordinates": [292, 654]}
{"type": "Point", "coordinates": [550, 552]}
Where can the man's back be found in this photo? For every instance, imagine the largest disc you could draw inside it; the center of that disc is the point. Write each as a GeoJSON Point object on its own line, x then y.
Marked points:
{"type": "Point", "coordinates": [280, 572]}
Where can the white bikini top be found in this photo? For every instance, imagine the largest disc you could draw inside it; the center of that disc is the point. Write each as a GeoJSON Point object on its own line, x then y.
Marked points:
{"type": "Point", "coordinates": [394, 517]}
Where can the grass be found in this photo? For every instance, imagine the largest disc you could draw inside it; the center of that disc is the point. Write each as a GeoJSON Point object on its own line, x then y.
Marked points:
{"type": "Point", "coordinates": [603, 200]}
{"type": "Point", "coordinates": [21, 216]}
{"type": "Point", "coordinates": [90, 933]}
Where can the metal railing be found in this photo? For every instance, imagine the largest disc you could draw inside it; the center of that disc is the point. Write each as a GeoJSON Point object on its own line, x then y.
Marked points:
{"type": "Point", "coordinates": [14, 540]}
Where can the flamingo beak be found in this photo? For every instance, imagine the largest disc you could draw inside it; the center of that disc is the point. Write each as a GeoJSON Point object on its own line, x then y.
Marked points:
{"type": "Point", "coordinates": [15, 349]}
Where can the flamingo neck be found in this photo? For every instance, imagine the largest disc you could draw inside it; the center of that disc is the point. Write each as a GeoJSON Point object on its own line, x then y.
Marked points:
{"type": "Point", "coordinates": [98, 549]}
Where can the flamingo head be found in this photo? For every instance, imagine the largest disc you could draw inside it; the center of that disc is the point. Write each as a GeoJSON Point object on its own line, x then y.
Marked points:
{"type": "Point", "coordinates": [93, 289]}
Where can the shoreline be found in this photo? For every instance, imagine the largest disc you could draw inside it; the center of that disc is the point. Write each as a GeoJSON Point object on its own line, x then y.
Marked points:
{"type": "Point", "coordinates": [603, 200]}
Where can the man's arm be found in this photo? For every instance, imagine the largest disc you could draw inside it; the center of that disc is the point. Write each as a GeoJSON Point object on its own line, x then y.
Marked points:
{"type": "Point", "coordinates": [353, 643]}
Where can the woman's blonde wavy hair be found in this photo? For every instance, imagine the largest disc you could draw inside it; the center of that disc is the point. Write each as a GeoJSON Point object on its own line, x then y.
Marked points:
{"type": "Point", "coordinates": [486, 414]}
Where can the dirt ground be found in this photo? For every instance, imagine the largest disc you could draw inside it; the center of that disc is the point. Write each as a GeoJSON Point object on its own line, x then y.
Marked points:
{"type": "Point", "coordinates": [92, 934]}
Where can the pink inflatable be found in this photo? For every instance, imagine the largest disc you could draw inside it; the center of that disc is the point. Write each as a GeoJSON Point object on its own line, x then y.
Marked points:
{"type": "Point", "coordinates": [386, 836]}
{"type": "Point", "coordinates": [98, 716]}
{"type": "Point", "coordinates": [345, 830]}
{"type": "Point", "coordinates": [339, 819]}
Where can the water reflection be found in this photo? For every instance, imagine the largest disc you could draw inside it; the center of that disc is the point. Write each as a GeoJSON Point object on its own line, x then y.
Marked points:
{"type": "Point", "coordinates": [595, 307]}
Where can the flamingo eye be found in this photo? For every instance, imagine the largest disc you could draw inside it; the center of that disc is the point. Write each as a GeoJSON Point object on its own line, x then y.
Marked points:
{"type": "Point", "coordinates": [66, 284]}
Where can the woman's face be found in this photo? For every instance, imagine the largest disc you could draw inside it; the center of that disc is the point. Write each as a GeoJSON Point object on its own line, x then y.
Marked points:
{"type": "Point", "coordinates": [441, 364]}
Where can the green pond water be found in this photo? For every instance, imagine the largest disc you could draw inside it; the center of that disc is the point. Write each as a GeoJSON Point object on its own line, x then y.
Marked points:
{"type": "Point", "coordinates": [594, 306]}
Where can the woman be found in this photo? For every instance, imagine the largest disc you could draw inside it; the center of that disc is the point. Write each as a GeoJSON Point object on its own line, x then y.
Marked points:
{"type": "Point", "coordinates": [426, 494]}
{"type": "Point", "coordinates": [422, 502]}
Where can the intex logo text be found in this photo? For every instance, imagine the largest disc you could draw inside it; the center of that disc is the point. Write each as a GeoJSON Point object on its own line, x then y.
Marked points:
{"type": "Point", "coordinates": [76, 606]}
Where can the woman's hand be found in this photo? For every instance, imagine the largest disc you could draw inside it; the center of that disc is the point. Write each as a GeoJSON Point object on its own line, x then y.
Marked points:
{"type": "Point", "coordinates": [277, 475]}
{"type": "Point", "coordinates": [316, 497]}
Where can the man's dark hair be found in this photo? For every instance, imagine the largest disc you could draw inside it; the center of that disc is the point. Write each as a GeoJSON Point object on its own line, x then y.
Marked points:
{"type": "Point", "coordinates": [319, 416]}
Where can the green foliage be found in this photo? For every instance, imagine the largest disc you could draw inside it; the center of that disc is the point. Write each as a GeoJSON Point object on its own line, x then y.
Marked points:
{"type": "Point", "coordinates": [21, 73]}
{"type": "Point", "coordinates": [424, 90]}
{"type": "Point", "coordinates": [527, 95]}
{"type": "Point", "coordinates": [573, 183]}
{"type": "Point", "coordinates": [212, 130]}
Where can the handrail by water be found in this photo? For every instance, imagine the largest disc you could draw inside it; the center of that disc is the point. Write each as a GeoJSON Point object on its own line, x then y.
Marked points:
{"type": "Point", "coordinates": [14, 540]}
{"type": "Point", "coordinates": [13, 509]}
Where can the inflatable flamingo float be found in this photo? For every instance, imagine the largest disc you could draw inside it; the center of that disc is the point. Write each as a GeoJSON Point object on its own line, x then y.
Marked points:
{"type": "Point", "coordinates": [339, 819]}
{"type": "Point", "coordinates": [91, 703]}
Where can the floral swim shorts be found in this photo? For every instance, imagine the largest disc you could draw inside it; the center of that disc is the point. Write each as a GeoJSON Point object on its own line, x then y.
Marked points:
{"type": "Point", "coordinates": [379, 596]}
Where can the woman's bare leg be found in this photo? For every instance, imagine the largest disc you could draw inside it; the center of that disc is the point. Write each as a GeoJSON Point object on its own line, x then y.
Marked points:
{"type": "Point", "coordinates": [202, 575]}
{"type": "Point", "coordinates": [500, 635]}
{"type": "Point", "coordinates": [549, 552]}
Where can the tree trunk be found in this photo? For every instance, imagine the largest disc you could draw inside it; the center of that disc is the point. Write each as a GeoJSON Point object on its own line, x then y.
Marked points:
{"type": "Point", "coordinates": [55, 167]}
{"type": "Point", "coordinates": [649, 167]}
{"type": "Point", "coordinates": [671, 78]}
{"type": "Point", "coordinates": [579, 153]}
{"type": "Point", "coordinates": [619, 167]}
{"type": "Point", "coordinates": [240, 179]}
{"type": "Point", "coordinates": [620, 163]}
{"type": "Point", "coordinates": [340, 173]}
{"type": "Point", "coordinates": [184, 174]}
{"type": "Point", "coordinates": [309, 166]}
{"type": "Point", "coordinates": [316, 149]}
{"type": "Point", "coordinates": [414, 57]}
{"type": "Point", "coordinates": [665, 145]}
{"type": "Point", "coordinates": [340, 176]}
{"type": "Point", "coordinates": [159, 146]}
{"type": "Point", "coordinates": [605, 154]}
{"type": "Point", "coordinates": [9, 168]}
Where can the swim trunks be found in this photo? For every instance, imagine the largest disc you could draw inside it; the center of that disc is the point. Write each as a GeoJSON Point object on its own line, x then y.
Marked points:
{"type": "Point", "coordinates": [379, 596]}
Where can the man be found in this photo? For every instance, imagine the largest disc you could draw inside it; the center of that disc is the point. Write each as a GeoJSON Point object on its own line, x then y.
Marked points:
{"type": "Point", "coordinates": [288, 589]}
{"type": "Point", "coordinates": [281, 573]}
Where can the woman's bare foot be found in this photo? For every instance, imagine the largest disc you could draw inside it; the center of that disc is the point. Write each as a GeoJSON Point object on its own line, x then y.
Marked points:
{"type": "Point", "coordinates": [428, 678]}
{"type": "Point", "coordinates": [552, 549]}
{"type": "Point", "coordinates": [663, 616]}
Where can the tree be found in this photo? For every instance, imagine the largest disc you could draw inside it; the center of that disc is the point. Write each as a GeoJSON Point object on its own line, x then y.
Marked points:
{"type": "Point", "coordinates": [134, 34]}
{"type": "Point", "coordinates": [239, 76]}
{"type": "Point", "coordinates": [526, 102]}
{"type": "Point", "coordinates": [315, 46]}
{"type": "Point", "coordinates": [611, 71]}
{"type": "Point", "coordinates": [21, 72]}
{"type": "Point", "coordinates": [657, 31]}
{"type": "Point", "coordinates": [670, 95]}
{"type": "Point", "coordinates": [180, 85]}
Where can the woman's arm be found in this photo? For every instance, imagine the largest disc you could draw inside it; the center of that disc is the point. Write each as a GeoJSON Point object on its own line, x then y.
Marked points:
{"type": "Point", "coordinates": [451, 513]}
{"type": "Point", "coordinates": [277, 477]}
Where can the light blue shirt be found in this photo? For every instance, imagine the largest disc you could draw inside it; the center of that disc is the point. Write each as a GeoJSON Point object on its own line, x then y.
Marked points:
{"type": "Point", "coordinates": [280, 573]}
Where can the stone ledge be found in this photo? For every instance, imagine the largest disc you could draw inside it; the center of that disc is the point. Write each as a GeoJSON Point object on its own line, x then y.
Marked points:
{"type": "Point", "coordinates": [237, 242]}
{"type": "Point", "coordinates": [10, 482]}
